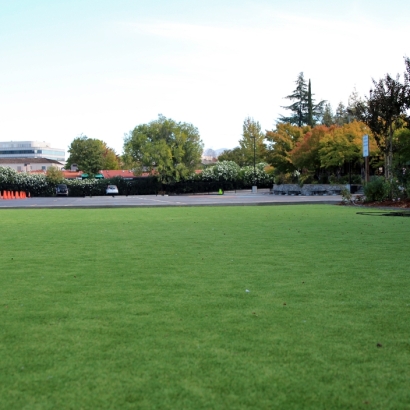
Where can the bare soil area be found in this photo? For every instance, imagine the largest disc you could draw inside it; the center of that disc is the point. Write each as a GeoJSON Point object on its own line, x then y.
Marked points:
{"type": "Point", "coordinates": [403, 203]}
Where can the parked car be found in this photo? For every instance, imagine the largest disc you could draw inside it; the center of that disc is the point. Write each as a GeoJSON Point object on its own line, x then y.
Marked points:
{"type": "Point", "coordinates": [112, 190]}
{"type": "Point", "coordinates": [62, 189]}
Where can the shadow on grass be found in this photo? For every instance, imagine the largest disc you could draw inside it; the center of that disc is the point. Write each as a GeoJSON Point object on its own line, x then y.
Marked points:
{"type": "Point", "coordinates": [403, 213]}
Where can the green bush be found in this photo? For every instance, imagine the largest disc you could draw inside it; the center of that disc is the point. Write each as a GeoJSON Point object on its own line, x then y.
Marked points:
{"type": "Point", "coordinates": [247, 175]}
{"type": "Point", "coordinates": [288, 178]}
{"type": "Point", "coordinates": [377, 189]}
{"type": "Point", "coordinates": [346, 195]}
{"type": "Point", "coordinates": [344, 179]}
{"type": "Point", "coordinates": [222, 171]}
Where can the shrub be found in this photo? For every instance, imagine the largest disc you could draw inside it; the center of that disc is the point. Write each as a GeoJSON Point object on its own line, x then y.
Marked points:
{"type": "Point", "coordinates": [346, 195]}
{"type": "Point", "coordinates": [306, 177]}
{"type": "Point", "coordinates": [227, 171]}
{"type": "Point", "coordinates": [279, 179]}
{"type": "Point", "coordinates": [248, 174]}
{"type": "Point", "coordinates": [54, 176]}
{"type": "Point", "coordinates": [36, 185]}
{"type": "Point", "coordinates": [377, 189]}
{"type": "Point", "coordinates": [287, 178]}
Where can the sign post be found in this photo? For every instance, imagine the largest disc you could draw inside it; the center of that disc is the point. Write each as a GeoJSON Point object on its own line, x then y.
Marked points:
{"type": "Point", "coordinates": [366, 156]}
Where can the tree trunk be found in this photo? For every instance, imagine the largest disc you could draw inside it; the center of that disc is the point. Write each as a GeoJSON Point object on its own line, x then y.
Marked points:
{"type": "Point", "coordinates": [389, 162]}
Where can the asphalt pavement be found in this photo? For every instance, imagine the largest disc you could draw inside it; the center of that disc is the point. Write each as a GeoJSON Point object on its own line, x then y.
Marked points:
{"type": "Point", "coordinates": [239, 198]}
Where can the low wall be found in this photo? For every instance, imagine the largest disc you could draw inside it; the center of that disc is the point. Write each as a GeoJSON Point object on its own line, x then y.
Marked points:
{"type": "Point", "coordinates": [308, 189]}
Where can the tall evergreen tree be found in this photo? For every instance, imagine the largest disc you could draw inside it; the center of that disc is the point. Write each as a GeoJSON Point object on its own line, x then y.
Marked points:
{"type": "Point", "coordinates": [298, 108]}
{"type": "Point", "coordinates": [341, 116]}
{"type": "Point", "coordinates": [304, 110]}
{"type": "Point", "coordinates": [352, 102]}
{"type": "Point", "coordinates": [310, 105]}
{"type": "Point", "coordinates": [327, 117]}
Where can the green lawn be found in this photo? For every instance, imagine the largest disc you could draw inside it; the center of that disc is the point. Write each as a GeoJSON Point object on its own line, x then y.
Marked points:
{"type": "Point", "coordinates": [149, 308]}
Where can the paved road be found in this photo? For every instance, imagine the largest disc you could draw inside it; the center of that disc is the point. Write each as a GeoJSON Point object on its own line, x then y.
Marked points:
{"type": "Point", "coordinates": [229, 198]}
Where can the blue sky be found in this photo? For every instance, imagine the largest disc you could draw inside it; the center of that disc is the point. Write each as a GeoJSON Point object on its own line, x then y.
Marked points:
{"type": "Point", "coordinates": [102, 67]}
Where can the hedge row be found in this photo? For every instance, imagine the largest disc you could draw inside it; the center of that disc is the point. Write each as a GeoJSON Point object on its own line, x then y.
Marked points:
{"type": "Point", "coordinates": [38, 185]}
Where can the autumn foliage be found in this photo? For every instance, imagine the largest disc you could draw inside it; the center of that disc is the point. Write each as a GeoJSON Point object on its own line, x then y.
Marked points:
{"type": "Point", "coordinates": [318, 149]}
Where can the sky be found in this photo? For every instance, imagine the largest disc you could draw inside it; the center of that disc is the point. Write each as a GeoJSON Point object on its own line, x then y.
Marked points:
{"type": "Point", "coordinates": [101, 67]}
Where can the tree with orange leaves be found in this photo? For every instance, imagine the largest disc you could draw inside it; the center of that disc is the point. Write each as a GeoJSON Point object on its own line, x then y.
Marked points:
{"type": "Point", "coordinates": [305, 155]}
{"type": "Point", "coordinates": [281, 142]}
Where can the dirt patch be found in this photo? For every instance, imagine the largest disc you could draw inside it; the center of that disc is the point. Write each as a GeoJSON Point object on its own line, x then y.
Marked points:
{"type": "Point", "coordinates": [402, 204]}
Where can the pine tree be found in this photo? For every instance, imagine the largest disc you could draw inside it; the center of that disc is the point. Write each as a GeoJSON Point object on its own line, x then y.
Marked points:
{"type": "Point", "coordinates": [352, 102]}
{"type": "Point", "coordinates": [327, 117]}
{"type": "Point", "coordinates": [310, 106]}
{"type": "Point", "coordinates": [341, 116]}
{"type": "Point", "coordinates": [305, 111]}
{"type": "Point", "coordinates": [298, 108]}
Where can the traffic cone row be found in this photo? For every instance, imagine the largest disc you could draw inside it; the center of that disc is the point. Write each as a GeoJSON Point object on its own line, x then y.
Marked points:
{"type": "Point", "coordinates": [14, 195]}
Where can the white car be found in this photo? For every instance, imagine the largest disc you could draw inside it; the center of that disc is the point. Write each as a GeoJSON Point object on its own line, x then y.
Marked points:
{"type": "Point", "coordinates": [112, 190]}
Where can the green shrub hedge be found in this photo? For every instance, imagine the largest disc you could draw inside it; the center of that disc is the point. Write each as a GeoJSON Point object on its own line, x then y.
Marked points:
{"type": "Point", "coordinates": [225, 176]}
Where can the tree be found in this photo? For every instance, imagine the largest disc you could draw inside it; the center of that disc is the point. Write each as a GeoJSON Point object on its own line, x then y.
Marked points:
{"type": "Point", "coordinates": [170, 149]}
{"type": "Point", "coordinates": [54, 175]}
{"type": "Point", "coordinates": [210, 153]}
{"type": "Point", "coordinates": [341, 116]}
{"type": "Point", "coordinates": [383, 111]}
{"type": "Point", "coordinates": [281, 142]}
{"type": "Point", "coordinates": [236, 155]}
{"type": "Point", "coordinates": [110, 158]}
{"type": "Point", "coordinates": [87, 153]}
{"type": "Point", "coordinates": [407, 90]}
{"type": "Point", "coordinates": [352, 102]}
{"type": "Point", "coordinates": [343, 145]}
{"type": "Point", "coordinates": [309, 106]}
{"type": "Point", "coordinates": [252, 140]}
{"type": "Point", "coordinates": [305, 111]}
{"type": "Point", "coordinates": [305, 155]}
{"type": "Point", "coordinates": [328, 118]}
{"type": "Point", "coordinates": [298, 107]}
{"type": "Point", "coordinates": [401, 139]}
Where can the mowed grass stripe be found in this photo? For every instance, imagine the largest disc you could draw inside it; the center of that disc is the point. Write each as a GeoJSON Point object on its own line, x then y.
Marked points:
{"type": "Point", "coordinates": [147, 308]}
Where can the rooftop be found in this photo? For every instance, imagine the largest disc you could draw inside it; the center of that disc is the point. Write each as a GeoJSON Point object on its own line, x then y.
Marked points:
{"type": "Point", "coordinates": [29, 161]}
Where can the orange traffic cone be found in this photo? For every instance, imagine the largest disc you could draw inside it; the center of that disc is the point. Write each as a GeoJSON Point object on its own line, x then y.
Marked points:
{"type": "Point", "coordinates": [17, 195]}
{"type": "Point", "coordinates": [23, 195]}
{"type": "Point", "coordinates": [7, 195]}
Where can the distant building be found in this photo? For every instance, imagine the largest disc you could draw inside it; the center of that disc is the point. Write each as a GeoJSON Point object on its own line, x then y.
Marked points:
{"type": "Point", "coordinates": [31, 149]}
{"type": "Point", "coordinates": [30, 164]}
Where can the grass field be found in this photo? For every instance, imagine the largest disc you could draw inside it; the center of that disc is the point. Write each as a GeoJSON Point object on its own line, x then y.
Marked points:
{"type": "Point", "coordinates": [204, 308]}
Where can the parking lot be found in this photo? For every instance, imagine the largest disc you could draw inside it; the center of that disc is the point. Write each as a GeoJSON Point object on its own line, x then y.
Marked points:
{"type": "Point", "coordinates": [263, 197]}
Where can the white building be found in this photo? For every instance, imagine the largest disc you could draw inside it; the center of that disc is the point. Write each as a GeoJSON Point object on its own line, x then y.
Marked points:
{"type": "Point", "coordinates": [30, 164]}
{"type": "Point", "coordinates": [31, 149]}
